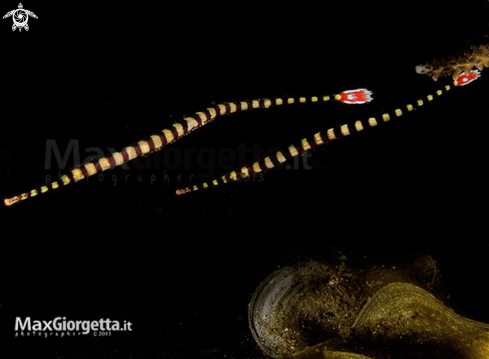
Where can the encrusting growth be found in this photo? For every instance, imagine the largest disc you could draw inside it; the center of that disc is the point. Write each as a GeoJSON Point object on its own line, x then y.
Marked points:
{"type": "Point", "coordinates": [477, 58]}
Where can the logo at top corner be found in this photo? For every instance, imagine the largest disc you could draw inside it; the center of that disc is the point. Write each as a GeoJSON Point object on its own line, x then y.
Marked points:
{"type": "Point", "coordinates": [20, 17]}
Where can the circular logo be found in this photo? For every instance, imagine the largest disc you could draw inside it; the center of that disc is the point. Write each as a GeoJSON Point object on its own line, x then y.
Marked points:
{"type": "Point", "coordinates": [20, 17]}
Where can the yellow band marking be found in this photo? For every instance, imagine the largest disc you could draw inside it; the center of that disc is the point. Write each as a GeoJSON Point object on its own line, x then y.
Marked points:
{"type": "Point", "coordinates": [280, 156]}
{"type": "Point", "coordinates": [358, 126]}
{"type": "Point", "coordinates": [222, 109]}
{"type": "Point", "coordinates": [305, 144]}
{"type": "Point", "coordinates": [330, 134]}
{"type": "Point", "coordinates": [104, 163]}
{"type": "Point", "coordinates": [212, 112]}
{"type": "Point", "coordinates": [410, 107]}
{"type": "Point", "coordinates": [90, 167]}
{"type": "Point", "coordinates": [202, 116]}
{"type": "Point", "coordinates": [256, 167]}
{"type": "Point", "coordinates": [77, 175]}
{"type": "Point", "coordinates": [279, 101]}
{"type": "Point", "coordinates": [65, 179]}
{"type": "Point", "coordinates": [293, 151]}
{"type": "Point", "coordinates": [179, 129]}
{"type": "Point", "coordinates": [318, 139]}
{"type": "Point", "coordinates": [398, 112]}
{"type": "Point", "coordinates": [119, 160]}
{"type": "Point", "coordinates": [345, 130]}
{"type": "Point", "coordinates": [314, 99]}
{"type": "Point", "coordinates": [267, 103]}
{"type": "Point", "coordinates": [245, 172]}
{"type": "Point", "coordinates": [386, 117]}
{"type": "Point", "coordinates": [157, 140]}
{"type": "Point", "coordinates": [144, 145]}
{"type": "Point", "coordinates": [372, 122]}
{"type": "Point", "coordinates": [191, 124]}
{"type": "Point", "coordinates": [168, 135]}
{"type": "Point", "coordinates": [131, 152]}
{"type": "Point", "coordinates": [268, 163]}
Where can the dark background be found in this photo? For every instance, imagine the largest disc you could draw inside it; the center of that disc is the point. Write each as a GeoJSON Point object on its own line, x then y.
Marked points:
{"type": "Point", "coordinates": [183, 269]}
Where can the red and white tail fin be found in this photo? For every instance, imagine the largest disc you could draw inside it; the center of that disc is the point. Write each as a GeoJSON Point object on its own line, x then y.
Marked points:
{"type": "Point", "coordinates": [357, 96]}
{"type": "Point", "coordinates": [465, 79]}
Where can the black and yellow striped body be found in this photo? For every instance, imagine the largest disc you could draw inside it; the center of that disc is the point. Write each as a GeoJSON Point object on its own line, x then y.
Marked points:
{"type": "Point", "coordinates": [158, 141]}
{"type": "Point", "coordinates": [307, 144]}
{"type": "Point", "coordinates": [457, 68]}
